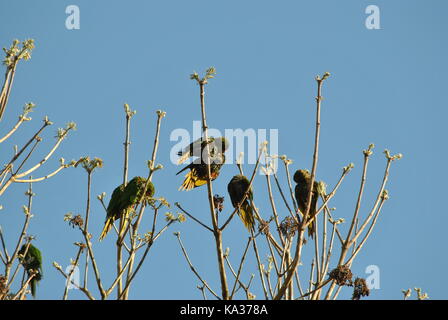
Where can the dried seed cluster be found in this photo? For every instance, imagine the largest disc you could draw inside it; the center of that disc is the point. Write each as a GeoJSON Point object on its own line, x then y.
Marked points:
{"type": "Point", "coordinates": [76, 221]}
{"type": "Point", "coordinates": [288, 227]}
{"type": "Point", "coordinates": [342, 275]}
{"type": "Point", "coordinates": [360, 289]}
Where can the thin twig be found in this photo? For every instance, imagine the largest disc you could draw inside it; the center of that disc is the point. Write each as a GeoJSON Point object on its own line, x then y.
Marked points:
{"type": "Point", "coordinates": [260, 268]}
{"type": "Point", "coordinates": [75, 263]}
{"type": "Point", "coordinates": [237, 277]}
{"type": "Point", "coordinates": [299, 244]}
{"type": "Point", "coordinates": [25, 146]}
{"type": "Point", "coordinates": [193, 269]}
{"type": "Point", "coordinates": [192, 217]}
{"type": "Point", "coordinates": [136, 225]}
{"type": "Point", "coordinates": [14, 129]}
{"type": "Point", "coordinates": [87, 238]}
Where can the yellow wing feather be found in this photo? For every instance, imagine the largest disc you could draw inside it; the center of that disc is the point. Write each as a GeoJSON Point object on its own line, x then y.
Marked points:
{"type": "Point", "coordinates": [247, 216]}
{"type": "Point", "coordinates": [191, 181]}
{"type": "Point", "coordinates": [110, 222]}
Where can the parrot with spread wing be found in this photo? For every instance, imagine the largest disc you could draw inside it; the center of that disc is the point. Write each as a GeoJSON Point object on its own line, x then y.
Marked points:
{"type": "Point", "coordinates": [123, 200]}
{"type": "Point", "coordinates": [197, 176]}
{"type": "Point", "coordinates": [195, 149]}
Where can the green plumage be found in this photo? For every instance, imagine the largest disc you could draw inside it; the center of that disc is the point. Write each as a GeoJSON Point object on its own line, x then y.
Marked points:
{"type": "Point", "coordinates": [123, 199]}
{"type": "Point", "coordinates": [134, 191]}
{"type": "Point", "coordinates": [303, 179]}
{"type": "Point", "coordinates": [237, 187]}
{"type": "Point", "coordinates": [32, 261]}
{"type": "Point", "coordinates": [195, 149]}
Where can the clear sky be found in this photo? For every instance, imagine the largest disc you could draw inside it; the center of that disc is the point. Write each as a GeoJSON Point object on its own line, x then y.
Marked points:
{"type": "Point", "coordinates": [386, 86]}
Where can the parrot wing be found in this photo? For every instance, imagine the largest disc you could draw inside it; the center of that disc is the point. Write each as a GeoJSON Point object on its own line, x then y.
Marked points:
{"type": "Point", "coordinates": [114, 210]}
{"type": "Point", "coordinates": [237, 188]}
{"type": "Point", "coordinates": [194, 149]}
{"type": "Point", "coordinates": [32, 261]}
{"type": "Point", "coordinates": [218, 146]}
{"type": "Point", "coordinates": [134, 189]}
{"type": "Point", "coordinates": [115, 204]}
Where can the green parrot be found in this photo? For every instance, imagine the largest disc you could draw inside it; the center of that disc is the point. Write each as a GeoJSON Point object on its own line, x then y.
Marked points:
{"type": "Point", "coordinates": [302, 178]}
{"type": "Point", "coordinates": [123, 199]}
{"type": "Point", "coordinates": [216, 146]}
{"type": "Point", "coordinates": [237, 187]}
{"type": "Point", "coordinates": [198, 172]}
{"type": "Point", "coordinates": [32, 261]}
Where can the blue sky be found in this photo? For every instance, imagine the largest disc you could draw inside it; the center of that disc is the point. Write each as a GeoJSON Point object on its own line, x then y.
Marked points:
{"type": "Point", "coordinates": [386, 87]}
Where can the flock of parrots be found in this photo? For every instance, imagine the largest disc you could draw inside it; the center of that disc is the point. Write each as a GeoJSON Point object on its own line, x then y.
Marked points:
{"type": "Point", "coordinates": [126, 198]}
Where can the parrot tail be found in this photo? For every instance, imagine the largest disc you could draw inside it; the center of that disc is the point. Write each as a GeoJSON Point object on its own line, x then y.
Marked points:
{"type": "Point", "coordinates": [247, 216]}
{"type": "Point", "coordinates": [110, 222]}
{"type": "Point", "coordinates": [311, 229]}
{"type": "Point", "coordinates": [191, 181]}
{"type": "Point", "coordinates": [33, 287]}
{"type": "Point", "coordinates": [107, 226]}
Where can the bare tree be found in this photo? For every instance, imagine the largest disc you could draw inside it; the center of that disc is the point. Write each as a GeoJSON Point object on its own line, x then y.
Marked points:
{"type": "Point", "coordinates": [132, 247]}
{"type": "Point", "coordinates": [283, 278]}
{"type": "Point", "coordinates": [281, 238]}
{"type": "Point", "coordinates": [11, 287]}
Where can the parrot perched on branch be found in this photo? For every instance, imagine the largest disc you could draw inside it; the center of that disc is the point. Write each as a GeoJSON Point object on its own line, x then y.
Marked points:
{"type": "Point", "coordinates": [303, 179]}
{"type": "Point", "coordinates": [237, 188]}
{"type": "Point", "coordinates": [195, 149]}
{"type": "Point", "coordinates": [123, 200]}
{"type": "Point", "coordinates": [32, 263]}
{"type": "Point", "coordinates": [198, 172]}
